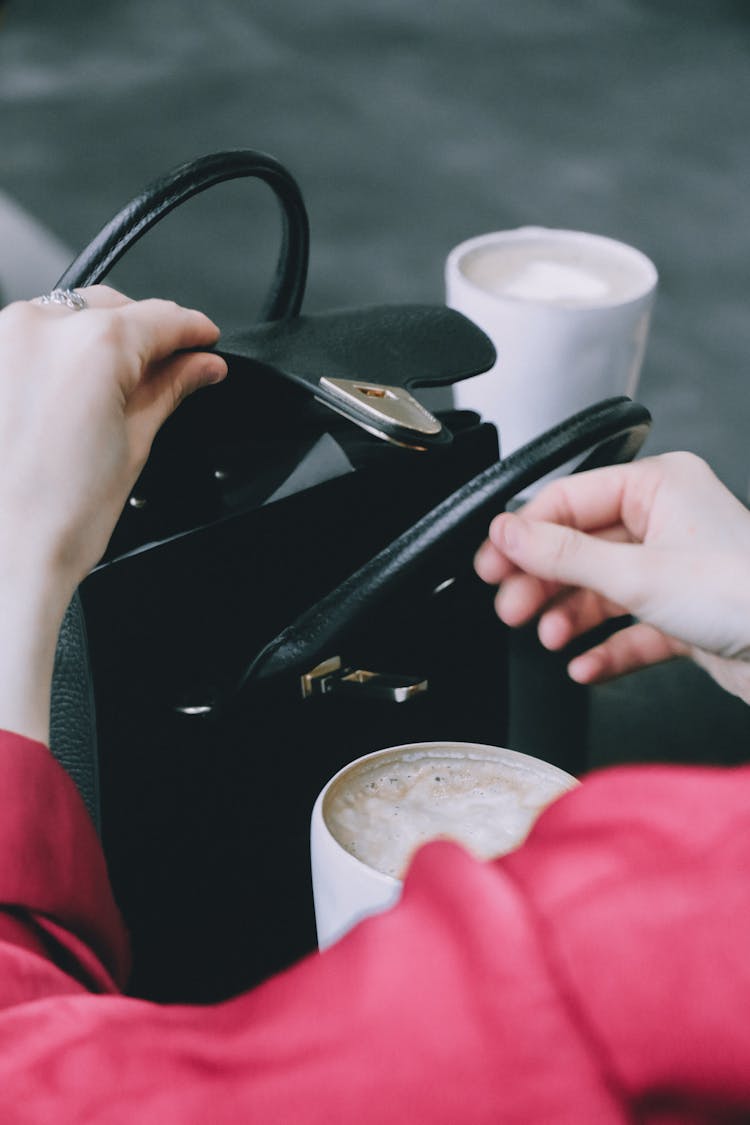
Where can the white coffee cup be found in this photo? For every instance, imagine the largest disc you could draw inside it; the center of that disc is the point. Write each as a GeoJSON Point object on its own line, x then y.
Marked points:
{"type": "Point", "coordinates": [485, 797]}
{"type": "Point", "coordinates": [568, 313]}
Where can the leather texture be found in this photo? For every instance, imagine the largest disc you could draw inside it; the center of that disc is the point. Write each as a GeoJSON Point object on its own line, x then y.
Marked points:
{"type": "Point", "coordinates": [72, 718]}
{"type": "Point", "coordinates": [614, 429]}
{"type": "Point", "coordinates": [363, 345]}
{"type": "Point", "coordinates": [143, 212]}
{"type": "Point", "coordinates": [72, 715]}
{"type": "Point", "coordinates": [610, 432]}
{"type": "Point", "coordinates": [193, 792]}
{"type": "Point", "coordinates": [404, 346]}
{"type": "Point", "coordinates": [197, 808]}
{"type": "Point", "coordinates": [73, 728]}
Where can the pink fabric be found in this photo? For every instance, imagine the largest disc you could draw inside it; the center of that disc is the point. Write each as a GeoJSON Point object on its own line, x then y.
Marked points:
{"type": "Point", "coordinates": [600, 974]}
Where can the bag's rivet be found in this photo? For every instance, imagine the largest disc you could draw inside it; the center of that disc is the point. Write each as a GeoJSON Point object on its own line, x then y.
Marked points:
{"type": "Point", "coordinates": [220, 474]}
{"type": "Point", "coordinates": [137, 502]}
{"type": "Point", "coordinates": [196, 709]}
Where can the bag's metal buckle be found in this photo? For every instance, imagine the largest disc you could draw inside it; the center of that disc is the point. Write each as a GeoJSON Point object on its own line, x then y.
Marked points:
{"type": "Point", "coordinates": [332, 676]}
{"type": "Point", "coordinates": [385, 411]}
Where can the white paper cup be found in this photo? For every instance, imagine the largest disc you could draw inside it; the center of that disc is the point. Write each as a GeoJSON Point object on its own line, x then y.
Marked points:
{"type": "Point", "coordinates": [568, 313]}
{"type": "Point", "coordinates": [345, 888]}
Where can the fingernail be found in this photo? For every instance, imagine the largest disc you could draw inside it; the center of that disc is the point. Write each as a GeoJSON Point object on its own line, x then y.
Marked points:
{"type": "Point", "coordinates": [206, 317]}
{"type": "Point", "coordinates": [214, 375]}
{"type": "Point", "coordinates": [583, 667]}
{"type": "Point", "coordinates": [484, 552]}
{"type": "Point", "coordinates": [549, 632]}
{"type": "Point", "coordinates": [511, 532]}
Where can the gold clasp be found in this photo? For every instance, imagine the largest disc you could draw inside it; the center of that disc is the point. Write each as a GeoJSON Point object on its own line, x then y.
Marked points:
{"type": "Point", "coordinates": [331, 676]}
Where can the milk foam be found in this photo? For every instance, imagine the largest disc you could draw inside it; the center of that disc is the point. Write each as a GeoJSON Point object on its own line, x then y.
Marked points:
{"type": "Point", "coordinates": [552, 281]}
{"type": "Point", "coordinates": [563, 272]}
{"type": "Point", "coordinates": [384, 810]}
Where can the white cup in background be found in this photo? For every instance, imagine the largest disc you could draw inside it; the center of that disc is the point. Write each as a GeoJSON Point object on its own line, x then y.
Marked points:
{"type": "Point", "coordinates": [385, 805]}
{"type": "Point", "coordinates": [568, 313]}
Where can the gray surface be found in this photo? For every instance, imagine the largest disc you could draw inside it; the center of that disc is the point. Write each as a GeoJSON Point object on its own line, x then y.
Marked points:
{"type": "Point", "coordinates": [411, 126]}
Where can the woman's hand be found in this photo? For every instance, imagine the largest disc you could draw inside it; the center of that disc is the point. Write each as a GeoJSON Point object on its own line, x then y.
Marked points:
{"type": "Point", "coordinates": [661, 539]}
{"type": "Point", "coordinates": [82, 395]}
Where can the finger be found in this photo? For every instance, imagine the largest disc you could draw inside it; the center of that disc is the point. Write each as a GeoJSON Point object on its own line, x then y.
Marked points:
{"type": "Point", "coordinates": [600, 498]}
{"type": "Point", "coordinates": [491, 565]}
{"type": "Point", "coordinates": [494, 565]}
{"type": "Point", "coordinates": [520, 597]}
{"type": "Point", "coordinates": [157, 396]}
{"type": "Point", "coordinates": [625, 573]}
{"type": "Point", "coordinates": [573, 613]}
{"type": "Point", "coordinates": [637, 646]}
{"type": "Point", "coordinates": [160, 328]}
{"type": "Point", "coordinates": [95, 296]}
{"type": "Point", "coordinates": [104, 297]}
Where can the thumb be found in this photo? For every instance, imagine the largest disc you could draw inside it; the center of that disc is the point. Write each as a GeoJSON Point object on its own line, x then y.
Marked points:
{"type": "Point", "coordinates": [626, 573]}
{"type": "Point", "coordinates": [162, 390]}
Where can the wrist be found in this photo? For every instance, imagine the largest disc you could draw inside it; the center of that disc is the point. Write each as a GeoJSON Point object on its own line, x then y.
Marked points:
{"type": "Point", "coordinates": [33, 599]}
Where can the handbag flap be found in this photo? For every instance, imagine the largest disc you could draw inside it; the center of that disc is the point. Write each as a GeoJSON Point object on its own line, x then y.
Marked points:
{"type": "Point", "coordinates": [362, 362]}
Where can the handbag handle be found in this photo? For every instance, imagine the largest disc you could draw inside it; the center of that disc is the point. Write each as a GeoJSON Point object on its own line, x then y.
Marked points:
{"type": "Point", "coordinates": [611, 432]}
{"type": "Point", "coordinates": [72, 717]}
{"type": "Point", "coordinates": [284, 298]}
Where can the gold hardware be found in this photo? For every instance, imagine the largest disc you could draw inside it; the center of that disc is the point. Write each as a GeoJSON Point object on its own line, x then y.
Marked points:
{"type": "Point", "coordinates": [331, 676]}
{"type": "Point", "coordinates": [383, 404]}
{"type": "Point", "coordinates": [315, 680]}
{"type": "Point", "coordinates": [374, 429]}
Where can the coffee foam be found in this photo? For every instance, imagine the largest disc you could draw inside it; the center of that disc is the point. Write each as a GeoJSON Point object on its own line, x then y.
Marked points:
{"type": "Point", "coordinates": [382, 811]}
{"type": "Point", "coordinates": [557, 271]}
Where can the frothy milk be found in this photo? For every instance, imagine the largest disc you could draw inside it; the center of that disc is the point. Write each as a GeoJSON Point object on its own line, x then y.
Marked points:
{"type": "Point", "coordinates": [384, 809]}
{"type": "Point", "coordinates": [556, 271]}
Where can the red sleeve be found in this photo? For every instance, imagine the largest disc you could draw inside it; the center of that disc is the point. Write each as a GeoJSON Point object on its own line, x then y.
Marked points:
{"type": "Point", "coordinates": [597, 975]}
{"type": "Point", "coordinates": [60, 930]}
{"type": "Point", "coordinates": [639, 887]}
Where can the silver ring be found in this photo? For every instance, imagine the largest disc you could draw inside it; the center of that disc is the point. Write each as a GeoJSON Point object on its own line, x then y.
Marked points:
{"type": "Point", "coordinates": [68, 297]}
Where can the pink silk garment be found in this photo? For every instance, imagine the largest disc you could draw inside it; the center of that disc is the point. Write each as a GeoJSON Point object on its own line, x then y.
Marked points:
{"type": "Point", "coordinates": [599, 974]}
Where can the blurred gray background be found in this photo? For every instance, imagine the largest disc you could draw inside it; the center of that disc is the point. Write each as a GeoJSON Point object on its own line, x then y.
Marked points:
{"type": "Point", "coordinates": [410, 126]}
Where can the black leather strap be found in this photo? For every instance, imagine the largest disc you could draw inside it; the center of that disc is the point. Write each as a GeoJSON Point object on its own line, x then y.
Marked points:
{"type": "Point", "coordinates": [159, 198]}
{"type": "Point", "coordinates": [613, 431]}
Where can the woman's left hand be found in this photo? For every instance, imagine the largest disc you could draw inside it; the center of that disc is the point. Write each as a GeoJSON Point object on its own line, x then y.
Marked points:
{"type": "Point", "coordinates": [82, 395]}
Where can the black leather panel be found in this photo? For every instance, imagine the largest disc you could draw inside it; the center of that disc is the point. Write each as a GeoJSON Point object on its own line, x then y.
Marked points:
{"type": "Point", "coordinates": [401, 345]}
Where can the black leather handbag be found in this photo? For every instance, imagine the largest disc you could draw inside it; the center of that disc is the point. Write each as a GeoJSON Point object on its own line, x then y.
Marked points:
{"type": "Point", "coordinates": [282, 593]}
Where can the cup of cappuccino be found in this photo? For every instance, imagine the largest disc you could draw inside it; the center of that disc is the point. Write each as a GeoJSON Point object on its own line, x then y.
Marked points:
{"type": "Point", "coordinates": [568, 313]}
{"type": "Point", "coordinates": [374, 813]}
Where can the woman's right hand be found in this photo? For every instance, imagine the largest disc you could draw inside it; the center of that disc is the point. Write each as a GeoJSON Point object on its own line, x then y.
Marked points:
{"type": "Point", "coordinates": [661, 539]}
